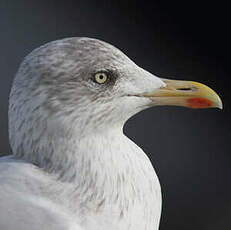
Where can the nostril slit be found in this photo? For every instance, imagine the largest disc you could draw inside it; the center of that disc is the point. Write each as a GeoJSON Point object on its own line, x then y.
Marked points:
{"type": "Point", "coordinates": [184, 89]}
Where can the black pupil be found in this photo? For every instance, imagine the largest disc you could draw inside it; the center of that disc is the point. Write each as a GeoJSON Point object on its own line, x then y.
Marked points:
{"type": "Point", "coordinates": [101, 76]}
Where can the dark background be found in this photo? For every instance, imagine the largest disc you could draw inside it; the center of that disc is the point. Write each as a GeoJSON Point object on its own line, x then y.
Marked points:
{"type": "Point", "coordinates": [190, 149]}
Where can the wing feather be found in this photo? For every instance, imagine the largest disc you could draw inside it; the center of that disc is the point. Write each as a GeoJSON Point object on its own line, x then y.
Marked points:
{"type": "Point", "coordinates": [21, 207]}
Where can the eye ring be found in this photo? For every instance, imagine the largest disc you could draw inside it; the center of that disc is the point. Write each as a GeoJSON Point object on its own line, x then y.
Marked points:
{"type": "Point", "coordinates": [101, 77]}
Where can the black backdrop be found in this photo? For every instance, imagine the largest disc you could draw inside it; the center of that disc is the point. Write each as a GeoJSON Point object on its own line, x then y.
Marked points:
{"type": "Point", "coordinates": [189, 148]}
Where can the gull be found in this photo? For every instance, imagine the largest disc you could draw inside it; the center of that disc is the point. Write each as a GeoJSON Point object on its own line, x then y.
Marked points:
{"type": "Point", "coordinates": [72, 167]}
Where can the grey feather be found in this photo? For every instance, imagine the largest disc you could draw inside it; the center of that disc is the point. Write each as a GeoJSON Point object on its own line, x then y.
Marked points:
{"type": "Point", "coordinates": [73, 168]}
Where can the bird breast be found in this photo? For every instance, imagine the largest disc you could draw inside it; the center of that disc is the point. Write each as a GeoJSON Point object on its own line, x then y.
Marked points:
{"type": "Point", "coordinates": [117, 187]}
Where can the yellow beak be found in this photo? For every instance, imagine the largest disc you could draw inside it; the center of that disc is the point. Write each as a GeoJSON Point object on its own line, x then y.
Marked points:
{"type": "Point", "coordinates": [185, 93]}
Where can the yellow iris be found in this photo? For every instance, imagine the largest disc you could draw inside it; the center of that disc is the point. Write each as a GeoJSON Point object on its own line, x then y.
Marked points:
{"type": "Point", "coordinates": [101, 78]}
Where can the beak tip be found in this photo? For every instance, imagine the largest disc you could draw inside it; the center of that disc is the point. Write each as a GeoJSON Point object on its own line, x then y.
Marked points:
{"type": "Point", "coordinates": [219, 103]}
{"type": "Point", "coordinates": [220, 106]}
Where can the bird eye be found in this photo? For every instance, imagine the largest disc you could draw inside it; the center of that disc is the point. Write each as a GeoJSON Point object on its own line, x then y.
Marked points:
{"type": "Point", "coordinates": [101, 77]}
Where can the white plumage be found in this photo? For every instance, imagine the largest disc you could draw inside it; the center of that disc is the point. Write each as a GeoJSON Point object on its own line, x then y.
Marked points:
{"type": "Point", "coordinates": [73, 168]}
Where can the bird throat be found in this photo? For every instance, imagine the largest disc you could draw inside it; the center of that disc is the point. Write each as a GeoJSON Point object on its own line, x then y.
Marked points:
{"type": "Point", "coordinates": [109, 174]}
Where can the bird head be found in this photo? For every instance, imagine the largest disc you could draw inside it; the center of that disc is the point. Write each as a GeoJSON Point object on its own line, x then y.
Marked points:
{"type": "Point", "coordinates": [85, 84]}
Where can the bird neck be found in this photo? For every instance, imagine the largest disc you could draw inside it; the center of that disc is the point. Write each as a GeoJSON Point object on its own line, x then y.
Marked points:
{"type": "Point", "coordinates": [105, 173]}
{"type": "Point", "coordinates": [107, 160]}
{"type": "Point", "coordinates": [96, 154]}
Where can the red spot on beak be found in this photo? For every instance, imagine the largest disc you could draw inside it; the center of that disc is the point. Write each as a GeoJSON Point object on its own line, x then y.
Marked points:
{"type": "Point", "coordinates": [197, 103]}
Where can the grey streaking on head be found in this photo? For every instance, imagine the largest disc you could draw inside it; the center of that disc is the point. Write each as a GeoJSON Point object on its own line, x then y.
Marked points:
{"type": "Point", "coordinates": [73, 168]}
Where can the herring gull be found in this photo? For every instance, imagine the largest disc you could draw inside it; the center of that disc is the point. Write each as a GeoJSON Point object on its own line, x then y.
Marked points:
{"type": "Point", "coordinates": [72, 167]}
